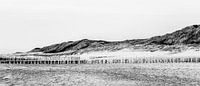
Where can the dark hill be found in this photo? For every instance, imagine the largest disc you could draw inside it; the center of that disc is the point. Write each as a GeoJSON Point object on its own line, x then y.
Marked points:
{"type": "Point", "coordinates": [71, 45]}
{"type": "Point", "coordinates": [187, 35]}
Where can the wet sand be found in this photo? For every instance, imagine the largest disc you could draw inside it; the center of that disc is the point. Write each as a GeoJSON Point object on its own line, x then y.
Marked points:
{"type": "Point", "coordinates": [101, 75]}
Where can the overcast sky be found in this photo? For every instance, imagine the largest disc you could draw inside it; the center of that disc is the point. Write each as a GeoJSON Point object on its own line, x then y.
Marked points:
{"type": "Point", "coordinates": [26, 24]}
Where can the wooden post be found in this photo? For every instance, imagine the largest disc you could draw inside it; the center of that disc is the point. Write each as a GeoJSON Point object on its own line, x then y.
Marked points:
{"type": "Point", "coordinates": [198, 59]}
{"type": "Point", "coordinates": [194, 60]}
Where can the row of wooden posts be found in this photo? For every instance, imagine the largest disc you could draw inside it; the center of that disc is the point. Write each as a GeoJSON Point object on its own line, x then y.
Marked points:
{"type": "Point", "coordinates": [99, 61]}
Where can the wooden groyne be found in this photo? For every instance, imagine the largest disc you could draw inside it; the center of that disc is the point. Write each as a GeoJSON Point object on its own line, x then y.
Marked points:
{"type": "Point", "coordinates": [77, 60]}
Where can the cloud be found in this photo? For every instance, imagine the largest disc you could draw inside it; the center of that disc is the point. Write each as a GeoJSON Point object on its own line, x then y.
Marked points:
{"type": "Point", "coordinates": [35, 23]}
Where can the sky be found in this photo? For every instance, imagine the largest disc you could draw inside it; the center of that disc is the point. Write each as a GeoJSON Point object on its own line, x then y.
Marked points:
{"type": "Point", "coordinates": [27, 24]}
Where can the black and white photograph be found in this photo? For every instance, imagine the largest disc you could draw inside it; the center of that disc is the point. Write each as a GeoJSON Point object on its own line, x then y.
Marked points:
{"type": "Point", "coordinates": [99, 43]}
